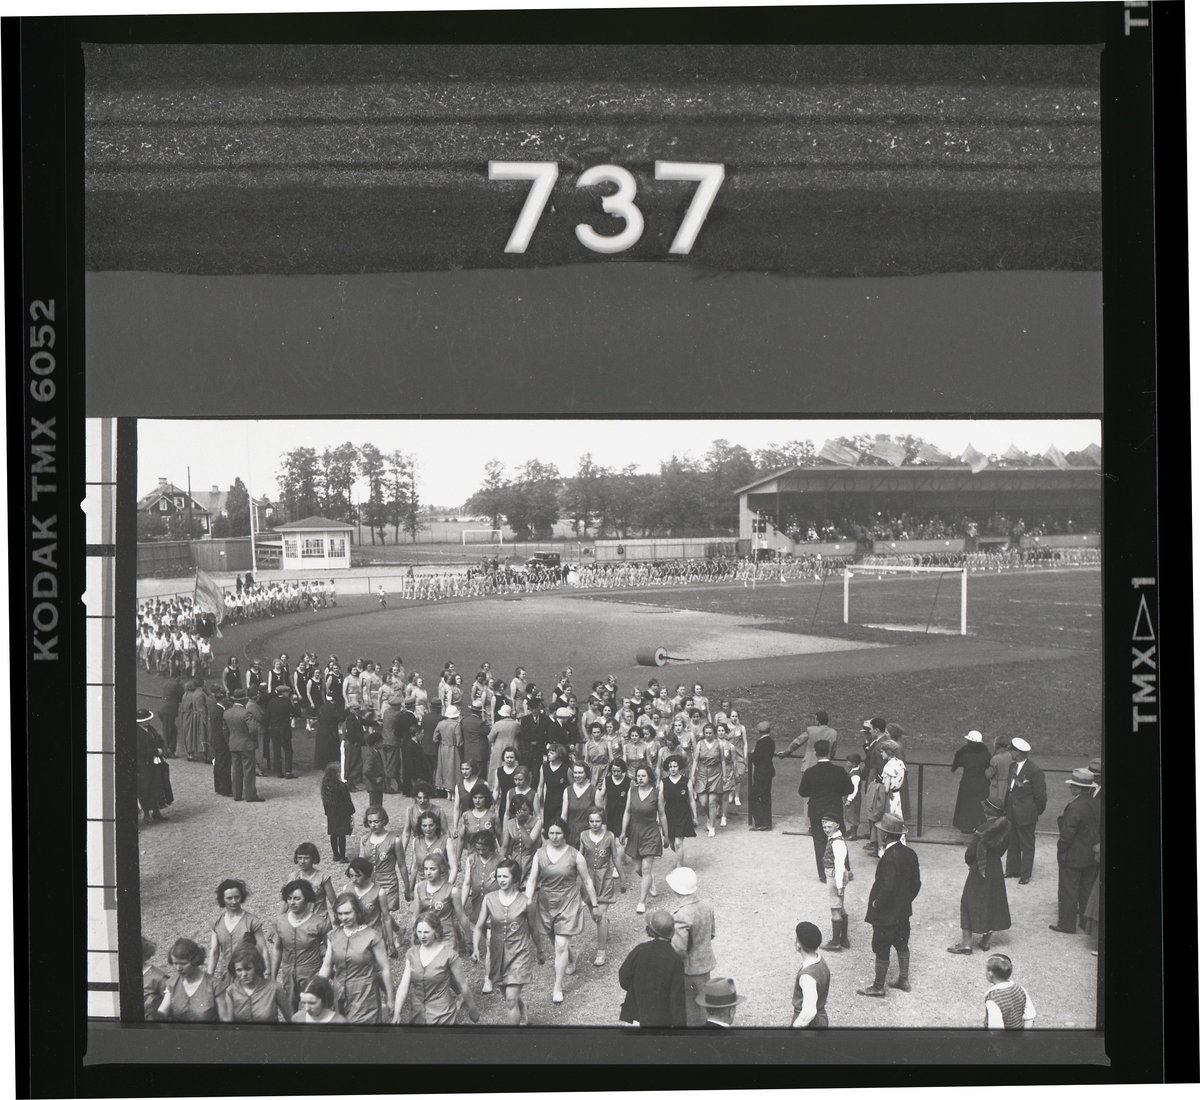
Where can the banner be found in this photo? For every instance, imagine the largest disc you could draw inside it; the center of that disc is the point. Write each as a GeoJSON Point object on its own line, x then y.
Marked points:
{"type": "Point", "coordinates": [931, 455]}
{"type": "Point", "coordinates": [1056, 456]}
{"type": "Point", "coordinates": [974, 459]}
{"type": "Point", "coordinates": [835, 452]}
{"type": "Point", "coordinates": [890, 452]}
{"type": "Point", "coordinates": [209, 597]}
{"type": "Point", "coordinates": [1093, 452]}
{"type": "Point", "coordinates": [1014, 454]}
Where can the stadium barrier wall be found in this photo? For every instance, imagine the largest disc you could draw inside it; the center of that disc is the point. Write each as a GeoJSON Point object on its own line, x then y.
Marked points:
{"type": "Point", "coordinates": [177, 557]}
{"type": "Point", "coordinates": [664, 549]}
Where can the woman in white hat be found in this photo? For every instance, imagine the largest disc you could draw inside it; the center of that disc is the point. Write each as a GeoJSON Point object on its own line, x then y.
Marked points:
{"type": "Point", "coordinates": [973, 758]}
{"type": "Point", "coordinates": [449, 739]}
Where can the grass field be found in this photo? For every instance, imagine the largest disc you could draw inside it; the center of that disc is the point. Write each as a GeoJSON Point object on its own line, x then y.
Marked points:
{"type": "Point", "coordinates": [1030, 666]}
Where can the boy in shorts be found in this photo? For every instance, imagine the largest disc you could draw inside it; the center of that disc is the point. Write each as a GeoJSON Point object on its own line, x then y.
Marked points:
{"type": "Point", "coordinates": [836, 875]}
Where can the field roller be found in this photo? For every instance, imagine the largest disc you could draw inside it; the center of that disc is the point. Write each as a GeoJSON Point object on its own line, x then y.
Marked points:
{"type": "Point", "coordinates": [657, 657]}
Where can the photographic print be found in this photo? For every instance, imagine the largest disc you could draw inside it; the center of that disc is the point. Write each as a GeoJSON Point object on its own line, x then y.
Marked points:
{"type": "Point", "coordinates": [599, 544]}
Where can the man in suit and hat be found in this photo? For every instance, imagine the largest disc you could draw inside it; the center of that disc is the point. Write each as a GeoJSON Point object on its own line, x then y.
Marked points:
{"type": "Point", "coordinates": [243, 749]}
{"type": "Point", "coordinates": [719, 1000]}
{"type": "Point", "coordinates": [695, 927]}
{"type": "Point", "coordinates": [1023, 805]}
{"type": "Point", "coordinates": [761, 765]}
{"type": "Point", "coordinates": [652, 977]}
{"type": "Point", "coordinates": [219, 743]}
{"type": "Point", "coordinates": [889, 908]}
{"type": "Point", "coordinates": [281, 709]}
{"type": "Point", "coordinates": [1078, 833]}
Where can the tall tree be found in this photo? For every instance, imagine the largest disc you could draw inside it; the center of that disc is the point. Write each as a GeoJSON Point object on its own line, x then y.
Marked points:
{"type": "Point", "coordinates": [727, 468]}
{"type": "Point", "coordinates": [397, 474]}
{"type": "Point", "coordinates": [582, 493]}
{"type": "Point", "coordinates": [492, 498]}
{"type": "Point", "coordinates": [237, 508]}
{"type": "Point", "coordinates": [375, 508]}
{"type": "Point", "coordinates": [413, 523]}
{"type": "Point", "coordinates": [774, 456]}
{"type": "Point", "coordinates": [533, 507]}
{"type": "Point", "coordinates": [298, 479]}
{"type": "Point", "coordinates": [680, 499]}
{"type": "Point", "coordinates": [338, 468]}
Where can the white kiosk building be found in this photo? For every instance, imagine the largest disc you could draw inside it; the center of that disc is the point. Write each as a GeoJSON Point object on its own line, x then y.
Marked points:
{"type": "Point", "coordinates": [315, 543]}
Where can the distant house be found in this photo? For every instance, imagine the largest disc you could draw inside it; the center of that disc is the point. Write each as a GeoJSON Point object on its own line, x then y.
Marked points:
{"type": "Point", "coordinates": [315, 543]}
{"type": "Point", "coordinates": [167, 500]}
{"type": "Point", "coordinates": [216, 500]}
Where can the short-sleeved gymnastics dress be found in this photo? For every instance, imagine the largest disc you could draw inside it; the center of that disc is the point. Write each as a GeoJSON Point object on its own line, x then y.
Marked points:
{"type": "Point", "coordinates": [578, 808]}
{"type": "Point", "coordinates": [560, 894]}
{"type": "Point", "coordinates": [198, 1007]}
{"type": "Point", "coordinates": [707, 779]}
{"type": "Point", "coordinates": [512, 945]}
{"type": "Point", "coordinates": [382, 855]}
{"type": "Point", "coordinates": [255, 1006]}
{"type": "Point", "coordinates": [244, 929]}
{"type": "Point", "coordinates": [303, 947]}
{"type": "Point", "coordinates": [645, 837]}
{"type": "Point", "coordinates": [600, 862]}
{"type": "Point", "coordinates": [430, 986]}
{"type": "Point", "coordinates": [355, 973]}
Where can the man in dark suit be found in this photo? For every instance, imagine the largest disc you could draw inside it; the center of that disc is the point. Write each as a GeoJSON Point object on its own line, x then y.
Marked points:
{"type": "Point", "coordinates": [172, 696]}
{"type": "Point", "coordinates": [652, 977]}
{"type": "Point", "coordinates": [475, 740]}
{"type": "Point", "coordinates": [243, 748]}
{"type": "Point", "coordinates": [897, 882]}
{"type": "Point", "coordinates": [824, 785]}
{"type": "Point", "coordinates": [281, 709]}
{"type": "Point", "coordinates": [1024, 804]}
{"type": "Point", "coordinates": [219, 743]}
{"type": "Point", "coordinates": [537, 729]}
{"type": "Point", "coordinates": [719, 999]}
{"type": "Point", "coordinates": [1078, 834]}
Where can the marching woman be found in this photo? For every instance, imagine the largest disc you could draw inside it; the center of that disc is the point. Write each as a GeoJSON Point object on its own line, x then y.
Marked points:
{"type": "Point", "coordinates": [356, 961]}
{"type": "Point", "coordinates": [422, 803]}
{"type": "Point", "coordinates": [299, 946]}
{"type": "Point", "coordinates": [372, 900]}
{"type": "Point", "coordinates": [762, 772]}
{"type": "Point", "coordinates": [984, 906]}
{"type": "Point", "coordinates": [430, 840]}
{"type": "Point", "coordinates": [556, 774]}
{"type": "Point", "coordinates": [479, 878]}
{"type": "Point", "coordinates": [708, 775]}
{"type": "Point", "coordinates": [599, 848]}
{"type": "Point", "coordinates": [578, 800]}
{"type": "Point", "coordinates": [306, 858]}
{"type": "Point", "coordinates": [633, 746]}
{"type": "Point", "coordinates": [318, 1003]}
{"type": "Point", "coordinates": [432, 972]}
{"type": "Point", "coordinates": [597, 753]}
{"type": "Point", "coordinates": [611, 797]}
{"type": "Point", "coordinates": [230, 929]}
{"type": "Point", "coordinates": [252, 997]}
{"type": "Point", "coordinates": [560, 878]}
{"type": "Point", "coordinates": [679, 806]}
{"type": "Point", "coordinates": [523, 784]}
{"type": "Point", "coordinates": [434, 894]}
{"type": "Point", "coordinates": [644, 829]}
{"type": "Point", "coordinates": [513, 938]}
{"type": "Point", "coordinates": [522, 835]}
{"type": "Point", "coordinates": [729, 787]}
{"type": "Point", "coordinates": [466, 782]}
{"type": "Point", "coordinates": [190, 996]}
{"type": "Point", "coordinates": [385, 851]}
{"type": "Point", "coordinates": [479, 816]}
{"type": "Point", "coordinates": [505, 781]}
{"type": "Point", "coordinates": [739, 739]}
{"type": "Point", "coordinates": [449, 739]}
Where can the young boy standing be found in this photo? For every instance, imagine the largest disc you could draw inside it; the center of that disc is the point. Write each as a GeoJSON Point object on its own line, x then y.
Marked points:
{"type": "Point", "coordinates": [812, 982]}
{"type": "Point", "coordinates": [836, 876]}
{"type": "Point", "coordinates": [1006, 1005]}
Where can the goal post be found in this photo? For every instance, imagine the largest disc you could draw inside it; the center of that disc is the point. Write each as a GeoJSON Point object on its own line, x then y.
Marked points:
{"type": "Point", "coordinates": [881, 571]}
{"type": "Point", "coordinates": [492, 536]}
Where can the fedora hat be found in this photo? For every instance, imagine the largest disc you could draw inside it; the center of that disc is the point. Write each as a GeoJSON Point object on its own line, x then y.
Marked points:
{"type": "Point", "coordinates": [719, 993]}
{"type": "Point", "coordinates": [239, 694]}
{"type": "Point", "coordinates": [683, 881]}
{"type": "Point", "coordinates": [1081, 777]}
{"type": "Point", "coordinates": [892, 823]}
{"type": "Point", "coordinates": [143, 716]}
{"type": "Point", "coordinates": [990, 804]}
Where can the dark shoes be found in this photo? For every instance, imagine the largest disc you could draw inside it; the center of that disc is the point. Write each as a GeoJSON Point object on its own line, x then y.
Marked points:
{"type": "Point", "coordinates": [960, 949]}
{"type": "Point", "coordinates": [1065, 931]}
{"type": "Point", "coordinates": [901, 984]}
{"type": "Point", "coordinates": [255, 800]}
{"type": "Point", "coordinates": [985, 941]}
{"type": "Point", "coordinates": [1012, 874]}
{"type": "Point", "coordinates": [872, 991]}
{"type": "Point", "coordinates": [1022, 882]}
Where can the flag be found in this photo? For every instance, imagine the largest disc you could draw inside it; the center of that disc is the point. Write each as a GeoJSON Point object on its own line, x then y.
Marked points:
{"type": "Point", "coordinates": [209, 597]}
{"type": "Point", "coordinates": [1092, 452]}
{"type": "Point", "coordinates": [1056, 456]}
{"type": "Point", "coordinates": [1015, 455]}
{"type": "Point", "coordinates": [974, 459]}
{"type": "Point", "coordinates": [835, 452]}
{"type": "Point", "coordinates": [893, 453]}
{"type": "Point", "coordinates": [931, 455]}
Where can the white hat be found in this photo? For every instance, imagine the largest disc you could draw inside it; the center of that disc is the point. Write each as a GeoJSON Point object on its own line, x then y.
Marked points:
{"type": "Point", "coordinates": [450, 712]}
{"type": "Point", "coordinates": [975, 736]}
{"type": "Point", "coordinates": [683, 880]}
{"type": "Point", "coordinates": [1020, 744]}
{"type": "Point", "coordinates": [505, 711]}
{"type": "Point", "coordinates": [563, 712]}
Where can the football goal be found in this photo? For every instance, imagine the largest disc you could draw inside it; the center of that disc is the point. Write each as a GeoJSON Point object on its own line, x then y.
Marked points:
{"type": "Point", "coordinates": [928, 599]}
{"type": "Point", "coordinates": [489, 535]}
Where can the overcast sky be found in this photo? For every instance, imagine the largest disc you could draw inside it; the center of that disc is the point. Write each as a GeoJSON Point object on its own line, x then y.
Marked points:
{"type": "Point", "coordinates": [451, 454]}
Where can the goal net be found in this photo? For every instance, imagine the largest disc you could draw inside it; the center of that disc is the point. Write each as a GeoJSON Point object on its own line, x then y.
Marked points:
{"type": "Point", "coordinates": [925, 599]}
{"type": "Point", "coordinates": [488, 535]}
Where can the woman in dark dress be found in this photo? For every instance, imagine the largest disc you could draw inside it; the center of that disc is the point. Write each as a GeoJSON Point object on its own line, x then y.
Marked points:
{"type": "Point", "coordinates": [984, 906]}
{"type": "Point", "coordinates": [611, 797]}
{"type": "Point", "coordinates": [679, 805]}
{"type": "Point", "coordinates": [973, 758]}
{"type": "Point", "coordinates": [327, 745]}
{"type": "Point", "coordinates": [762, 771]}
{"type": "Point", "coordinates": [556, 774]}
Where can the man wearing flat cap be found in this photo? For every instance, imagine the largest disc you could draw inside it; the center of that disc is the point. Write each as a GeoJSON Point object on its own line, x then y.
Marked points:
{"type": "Point", "coordinates": [1078, 833]}
{"type": "Point", "coordinates": [652, 977]}
{"type": "Point", "coordinates": [1023, 805]}
{"type": "Point", "coordinates": [889, 908]}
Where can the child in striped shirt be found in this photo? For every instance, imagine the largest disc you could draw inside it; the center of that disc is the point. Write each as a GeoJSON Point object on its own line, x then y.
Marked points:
{"type": "Point", "coordinates": [1006, 1005]}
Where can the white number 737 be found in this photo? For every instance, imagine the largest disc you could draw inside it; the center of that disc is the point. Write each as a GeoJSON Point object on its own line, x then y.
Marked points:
{"type": "Point", "coordinates": [544, 175]}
